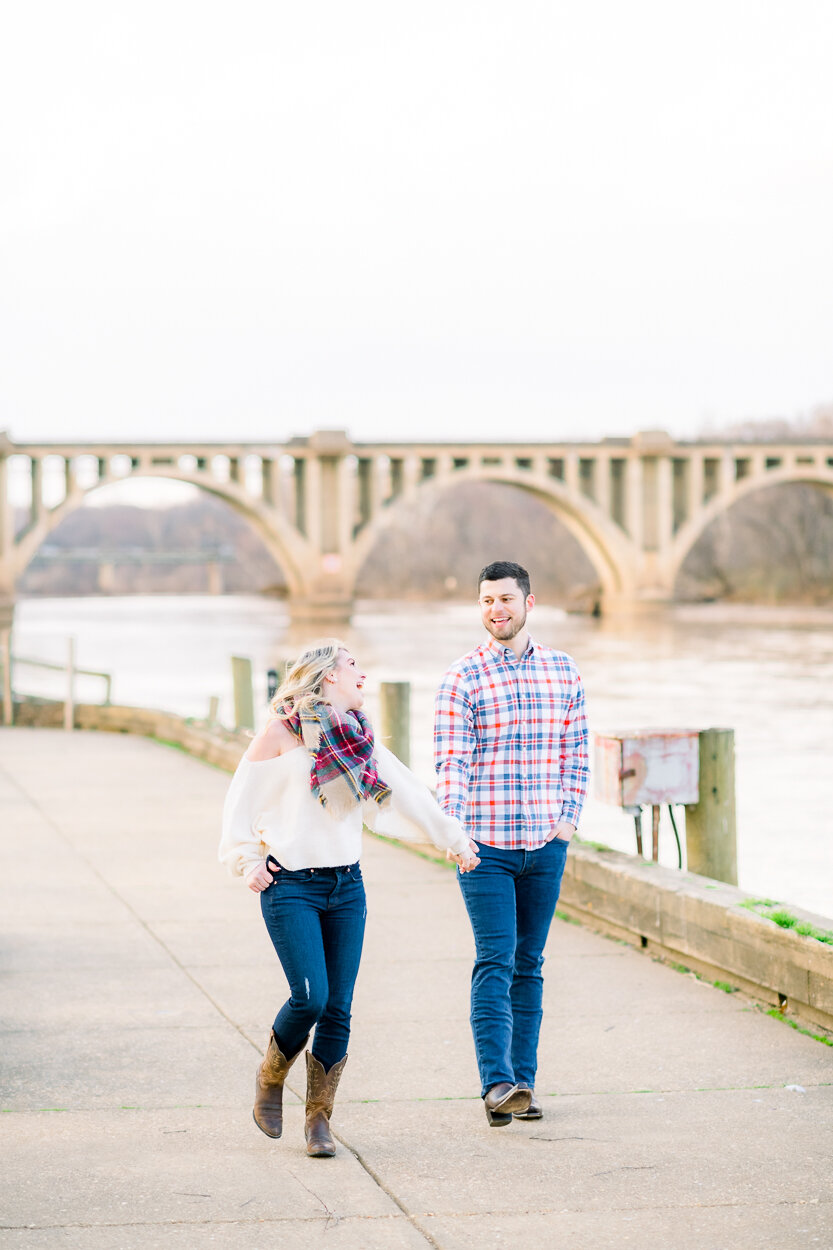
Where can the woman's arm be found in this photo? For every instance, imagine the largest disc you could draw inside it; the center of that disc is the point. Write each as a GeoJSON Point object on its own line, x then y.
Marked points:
{"type": "Point", "coordinates": [412, 813]}
{"type": "Point", "coordinates": [242, 848]}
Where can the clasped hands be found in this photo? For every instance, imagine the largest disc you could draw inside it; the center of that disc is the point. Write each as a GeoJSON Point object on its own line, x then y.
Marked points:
{"type": "Point", "coordinates": [465, 860]}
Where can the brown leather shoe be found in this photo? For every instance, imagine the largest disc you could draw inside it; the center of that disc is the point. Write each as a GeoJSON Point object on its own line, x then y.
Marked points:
{"type": "Point", "coordinates": [321, 1092]}
{"type": "Point", "coordinates": [268, 1108]}
{"type": "Point", "coordinates": [533, 1112]}
{"type": "Point", "coordinates": [503, 1100]}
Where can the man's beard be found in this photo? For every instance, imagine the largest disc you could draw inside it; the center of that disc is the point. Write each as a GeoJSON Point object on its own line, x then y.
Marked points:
{"type": "Point", "coordinates": [514, 626]}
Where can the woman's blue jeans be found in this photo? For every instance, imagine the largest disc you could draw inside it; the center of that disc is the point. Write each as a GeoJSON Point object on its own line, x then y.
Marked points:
{"type": "Point", "coordinates": [511, 900]}
{"type": "Point", "coordinates": [315, 918]}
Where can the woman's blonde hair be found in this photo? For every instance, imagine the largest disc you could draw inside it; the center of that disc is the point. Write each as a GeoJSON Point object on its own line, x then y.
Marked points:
{"type": "Point", "coordinates": [303, 685]}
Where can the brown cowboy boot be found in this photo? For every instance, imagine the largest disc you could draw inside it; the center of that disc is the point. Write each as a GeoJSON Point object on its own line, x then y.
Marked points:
{"type": "Point", "coordinates": [534, 1111]}
{"type": "Point", "coordinates": [268, 1108]}
{"type": "Point", "coordinates": [321, 1092]}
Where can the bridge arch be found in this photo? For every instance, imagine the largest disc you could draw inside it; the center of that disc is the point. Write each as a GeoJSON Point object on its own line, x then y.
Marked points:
{"type": "Point", "coordinates": [282, 541]}
{"type": "Point", "coordinates": [607, 547]}
{"type": "Point", "coordinates": [687, 536]}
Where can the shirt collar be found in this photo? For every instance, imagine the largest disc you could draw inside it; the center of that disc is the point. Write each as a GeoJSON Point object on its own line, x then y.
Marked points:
{"type": "Point", "coordinates": [502, 652]}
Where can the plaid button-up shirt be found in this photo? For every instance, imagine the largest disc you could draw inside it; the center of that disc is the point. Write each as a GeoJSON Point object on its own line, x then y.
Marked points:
{"type": "Point", "coordinates": [510, 744]}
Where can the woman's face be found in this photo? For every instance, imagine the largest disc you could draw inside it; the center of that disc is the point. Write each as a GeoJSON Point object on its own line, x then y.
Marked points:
{"type": "Point", "coordinates": [344, 686]}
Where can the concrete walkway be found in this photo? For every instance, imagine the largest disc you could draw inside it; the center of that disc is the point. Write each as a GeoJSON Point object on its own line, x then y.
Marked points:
{"type": "Point", "coordinates": [138, 986]}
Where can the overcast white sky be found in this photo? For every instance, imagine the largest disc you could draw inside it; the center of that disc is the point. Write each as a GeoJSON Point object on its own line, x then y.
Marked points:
{"type": "Point", "coordinates": [427, 219]}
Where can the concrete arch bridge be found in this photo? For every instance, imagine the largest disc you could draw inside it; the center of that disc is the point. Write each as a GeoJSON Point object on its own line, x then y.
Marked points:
{"type": "Point", "coordinates": [636, 505]}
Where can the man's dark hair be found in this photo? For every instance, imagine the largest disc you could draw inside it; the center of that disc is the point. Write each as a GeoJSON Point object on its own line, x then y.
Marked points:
{"type": "Point", "coordinates": [505, 568]}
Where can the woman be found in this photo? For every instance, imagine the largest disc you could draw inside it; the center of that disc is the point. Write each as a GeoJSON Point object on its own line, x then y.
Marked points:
{"type": "Point", "coordinates": [292, 826]}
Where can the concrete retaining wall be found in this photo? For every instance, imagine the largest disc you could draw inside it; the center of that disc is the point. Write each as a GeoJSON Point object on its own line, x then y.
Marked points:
{"type": "Point", "coordinates": [703, 924]}
{"type": "Point", "coordinates": [677, 916]}
{"type": "Point", "coordinates": [215, 745]}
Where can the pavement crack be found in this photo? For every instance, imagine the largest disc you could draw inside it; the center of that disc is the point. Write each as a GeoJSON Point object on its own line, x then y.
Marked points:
{"type": "Point", "coordinates": [377, 1180]}
{"type": "Point", "coordinates": [541, 1137]}
{"type": "Point", "coordinates": [332, 1216]}
{"type": "Point", "coordinates": [254, 1222]}
{"type": "Point", "coordinates": [629, 1167]}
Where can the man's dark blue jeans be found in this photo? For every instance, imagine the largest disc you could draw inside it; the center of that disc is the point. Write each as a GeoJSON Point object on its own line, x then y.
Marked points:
{"type": "Point", "coordinates": [315, 918]}
{"type": "Point", "coordinates": [510, 899]}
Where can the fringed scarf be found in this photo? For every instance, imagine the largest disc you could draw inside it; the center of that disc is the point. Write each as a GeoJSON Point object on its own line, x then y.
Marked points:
{"type": "Point", "coordinates": [343, 770]}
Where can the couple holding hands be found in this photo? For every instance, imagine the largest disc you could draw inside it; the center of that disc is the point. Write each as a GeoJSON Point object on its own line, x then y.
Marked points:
{"type": "Point", "coordinates": [511, 760]}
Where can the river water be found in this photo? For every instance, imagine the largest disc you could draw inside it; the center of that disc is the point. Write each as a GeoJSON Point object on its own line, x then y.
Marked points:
{"type": "Point", "coordinates": [766, 673]}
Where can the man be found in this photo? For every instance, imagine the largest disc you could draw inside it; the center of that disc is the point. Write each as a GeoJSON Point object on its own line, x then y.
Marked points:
{"type": "Point", "coordinates": [511, 757]}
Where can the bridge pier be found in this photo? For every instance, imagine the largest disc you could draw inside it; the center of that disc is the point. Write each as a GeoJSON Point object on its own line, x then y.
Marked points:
{"type": "Point", "coordinates": [636, 603]}
{"type": "Point", "coordinates": [106, 578]}
{"type": "Point", "coordinates": [316, 615]}
{"type": "Point", "coordinates": [325, 605]}
{"type": "Point", "coordinates": [215, 578]}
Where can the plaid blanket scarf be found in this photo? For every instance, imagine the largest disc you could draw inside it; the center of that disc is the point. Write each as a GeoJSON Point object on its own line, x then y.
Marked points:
{"type": "Point", "coordinates": [343, 770]}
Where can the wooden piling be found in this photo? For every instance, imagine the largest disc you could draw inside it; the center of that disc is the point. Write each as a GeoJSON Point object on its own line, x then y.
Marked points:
{"type": "Point", "coordinates": [244, 703]}
{"type": "Point", "coordinates": [6, 660]}
{"type": "Point", "coordinates": [395, 718]}
{"type": "Point", "coordinates": [711, 834]}
{"type": "Point", "coordinates": [69, 703]}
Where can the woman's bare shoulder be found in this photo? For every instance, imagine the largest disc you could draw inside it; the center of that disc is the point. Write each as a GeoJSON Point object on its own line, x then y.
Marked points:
{"type": "Point", "coordinates": [274, 739]}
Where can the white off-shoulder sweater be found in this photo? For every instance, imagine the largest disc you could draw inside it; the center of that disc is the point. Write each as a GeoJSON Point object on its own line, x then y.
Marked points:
{"type": "Point", "coordinates": [270, 810]}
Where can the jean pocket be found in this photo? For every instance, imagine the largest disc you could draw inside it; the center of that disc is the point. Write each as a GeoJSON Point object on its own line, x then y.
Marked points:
{"type": "Point", "coordinates": [299, 874]}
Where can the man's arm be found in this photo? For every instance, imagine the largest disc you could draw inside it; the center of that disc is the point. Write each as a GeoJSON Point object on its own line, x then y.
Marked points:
{"type": "Point", "coordinates": [454, 744]}
{"type": "Point", "coordinates": [575, 767]}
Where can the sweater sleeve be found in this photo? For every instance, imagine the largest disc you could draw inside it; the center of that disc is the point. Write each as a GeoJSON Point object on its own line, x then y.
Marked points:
{"type": "Point", "coordinates": [241, 845]}
{"type": "Point", "coordinates": [411, 814]}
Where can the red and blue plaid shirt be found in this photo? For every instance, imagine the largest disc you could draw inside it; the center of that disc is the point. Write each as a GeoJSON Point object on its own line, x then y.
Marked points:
{"type": "Point", "coordinates": [510, 744]}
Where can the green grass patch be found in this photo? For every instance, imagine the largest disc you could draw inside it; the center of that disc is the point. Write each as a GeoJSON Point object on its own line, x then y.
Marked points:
{"type": "Point", "coordinates": [778, 914]}
{"type": "Point", "coordinates": [594, 846]}
{"type": "Point", "coordinates": [725, 986]}
{"type": "Point", "coordinates": [562, 915]}
{"type": "Point", "coordinates": [817, 1037]}
{"type": "Point", "coordinates": [178, 746]}
{"type": "Point", "coordinates": [169, 742]}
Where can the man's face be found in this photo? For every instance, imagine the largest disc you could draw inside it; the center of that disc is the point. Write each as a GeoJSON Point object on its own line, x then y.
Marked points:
{"type": "Point", "coordinates": [504, 608]}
